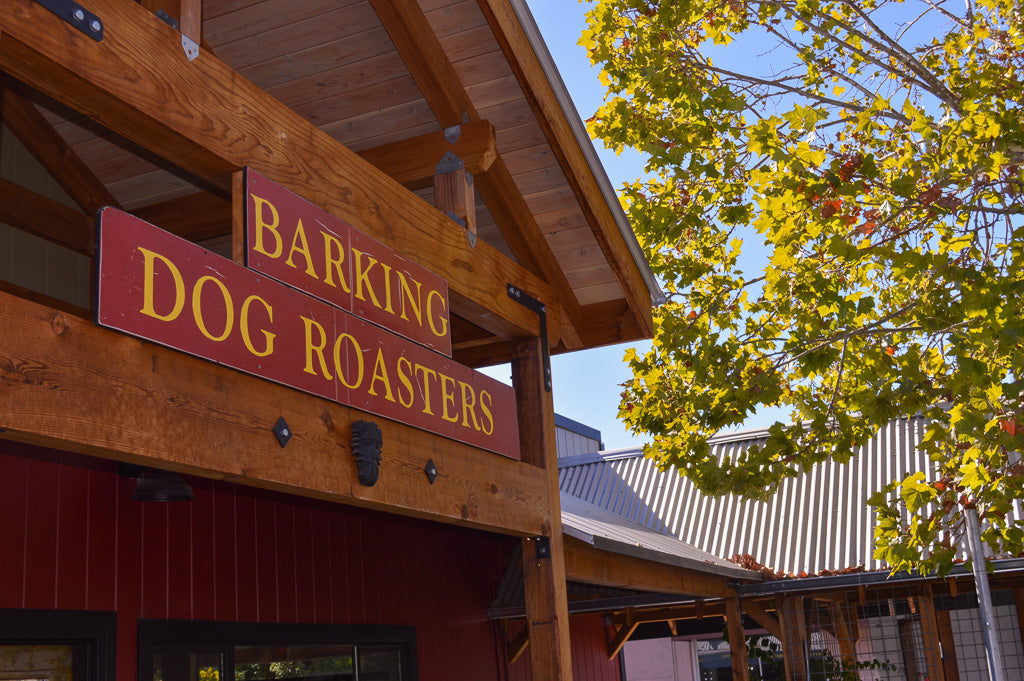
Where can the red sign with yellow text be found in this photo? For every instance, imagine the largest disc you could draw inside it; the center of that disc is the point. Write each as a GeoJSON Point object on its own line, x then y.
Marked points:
{"type": "Point", "coordinates": [156, 286]}
{"type": "Point", "coordinates": [302, 245]}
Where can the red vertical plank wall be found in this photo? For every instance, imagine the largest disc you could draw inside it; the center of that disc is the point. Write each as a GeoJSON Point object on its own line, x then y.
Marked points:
{"type": "Point", "coordinates": [589, 647]}
{"type": "Point", "coordinates": [72, 538]}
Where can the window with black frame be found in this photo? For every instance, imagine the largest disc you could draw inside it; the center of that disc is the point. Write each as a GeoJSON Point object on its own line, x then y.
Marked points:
{"type": "Point", "coordinates": [230, 651]}
{"type": "Point", "coordinates": [57, 645]}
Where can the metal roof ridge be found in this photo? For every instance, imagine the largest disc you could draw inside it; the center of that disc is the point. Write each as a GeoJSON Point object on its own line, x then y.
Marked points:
{"type": "Point", "coordinates": [601, 456]}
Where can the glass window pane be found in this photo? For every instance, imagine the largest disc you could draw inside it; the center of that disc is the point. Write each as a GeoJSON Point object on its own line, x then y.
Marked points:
{"type": "Point", "coordinates": [307, 662]}
{"type": "Point", "coordinates": [182, 664]}
{"type": "Point", "coordinates": [36, 663]}
{"type": "Point", "coordinates": [380, 663]}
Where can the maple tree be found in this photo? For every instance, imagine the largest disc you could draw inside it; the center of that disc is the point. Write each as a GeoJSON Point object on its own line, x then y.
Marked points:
{"type": "Point", "coordinates": [875, 150]}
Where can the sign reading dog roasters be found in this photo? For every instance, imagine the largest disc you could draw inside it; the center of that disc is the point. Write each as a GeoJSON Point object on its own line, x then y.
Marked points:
{"type": "Point", "coordinates": [156, 286]}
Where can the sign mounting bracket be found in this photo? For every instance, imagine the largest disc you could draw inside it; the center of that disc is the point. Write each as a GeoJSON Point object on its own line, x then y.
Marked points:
{"type": "Point", "coordinates": [531, 303]}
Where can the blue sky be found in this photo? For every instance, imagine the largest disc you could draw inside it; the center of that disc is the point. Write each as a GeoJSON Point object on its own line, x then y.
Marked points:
{"type": "Point", "coordinates": [586, 384]}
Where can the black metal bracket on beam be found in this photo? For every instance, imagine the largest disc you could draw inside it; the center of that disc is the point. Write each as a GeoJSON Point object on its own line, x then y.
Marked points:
{"type": "Point", "coordinates": [76, 15]}
{"type": "Point", "coordinates": [531, 303]}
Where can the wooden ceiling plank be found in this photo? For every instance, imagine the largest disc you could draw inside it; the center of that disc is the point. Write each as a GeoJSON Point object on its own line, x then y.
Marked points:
{"type": "Point", "coordinates": [415, 40]}
{"type": "Point", "coordinates": [159, 407]}
{"type": "Point", "coordinates": [534, 81]}
{"type": "Point", "coordinates": [212, 122]}
{"type": "Point", "coordinates": [46, 218]}
{"type": "Point", "coordinates": [58, 159]}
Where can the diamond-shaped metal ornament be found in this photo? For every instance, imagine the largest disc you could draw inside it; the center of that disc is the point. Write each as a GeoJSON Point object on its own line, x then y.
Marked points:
{"type": "Point", "coordinates": [431, 471]}
{"type": "Point", "coordinates": [282, 431]}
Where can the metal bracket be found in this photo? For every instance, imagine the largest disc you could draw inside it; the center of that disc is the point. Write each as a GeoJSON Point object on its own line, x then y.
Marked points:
{"type": "Point", "coordinates": [163, 16]}
{"type": "Point", "coordinates": [448, 163]}
{"type": "Point", "coordinates": [190, 46]}
{"type": "Point", "coordinates": [457, 219]}
{"type": "Point", "coordinates": [531, 303]}
{"type": "Point", "coordinates": [76, 15]}
{"type": "Point", "coordinates": [469, 178]}
{"type": "Point", "coordinates": [453, 133]}
{"type": "Point", "coordinates": [543, 550]}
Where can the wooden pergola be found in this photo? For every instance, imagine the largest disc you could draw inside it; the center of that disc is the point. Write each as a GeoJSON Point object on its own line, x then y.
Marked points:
{"type": "Point", "coordinates": [352, 105]}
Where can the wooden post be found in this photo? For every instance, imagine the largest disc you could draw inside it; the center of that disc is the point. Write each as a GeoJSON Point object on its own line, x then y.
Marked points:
{"type": "Point", "coordinates": [930, 633]}
{"type": "Point", "coordinates": [453, 196]}
{"type": "Point", "coordinates": [794, 631]}
{"type": "Point", "coordinates": [737, 640]}
{"type": "Point", "coordinates": [949, 665]}
{"type": "Point", "coordinates": [844, 633]}
{"type": "Point", "coordinates": [547, 611]}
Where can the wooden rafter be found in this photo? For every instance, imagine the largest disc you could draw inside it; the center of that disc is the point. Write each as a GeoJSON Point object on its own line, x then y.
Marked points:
{"type": "Point", "coordinates": [535, 83]}
{"type": "Point", "coordinates": [413, 161]}
{"type": "Point", "coordinates": [763, 617]}
{"type": "Point", "coordinates": [440, 85]}
{"type": "Point", "coordinates": [58, 159]}
{"type": "Point", "coordinates": [138, 82]}
{"type": "Point", "coordinates": [162, 408]}
{"type": "Point", "coordinates": [46, 218]}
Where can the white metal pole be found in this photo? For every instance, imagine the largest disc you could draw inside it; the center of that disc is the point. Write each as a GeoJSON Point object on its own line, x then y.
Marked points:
{"type": "Point", "coordinates": [988, 623]}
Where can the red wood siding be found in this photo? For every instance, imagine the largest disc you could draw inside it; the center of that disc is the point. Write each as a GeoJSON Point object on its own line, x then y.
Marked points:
{"type": "Point", "coordinates": [589, 653]}
{"type": "Point", "coordinates": [72, 538]}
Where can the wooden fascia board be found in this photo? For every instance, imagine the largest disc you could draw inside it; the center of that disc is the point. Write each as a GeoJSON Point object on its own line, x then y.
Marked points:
{"type": "Point", "coordinates": [55, 156]}
{"type": "Point", "coordinates": [46, 218]}
{"type": "Point", "coordinates": [211, 121]}
{"type": "Point", "coordinates": [532, 78]}
{"type": "Point", "coordinates": [416, 42]}
{"type": "Point", "coordinates": [413, 162]}
{"type": "Point", "coordinates": [68, 384]}
{"type": "Point", "coordinates": [584, 563]}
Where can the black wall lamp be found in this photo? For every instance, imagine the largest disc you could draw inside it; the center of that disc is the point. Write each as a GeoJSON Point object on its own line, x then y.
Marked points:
{"type": "Point", "coordinates": [155, 484]}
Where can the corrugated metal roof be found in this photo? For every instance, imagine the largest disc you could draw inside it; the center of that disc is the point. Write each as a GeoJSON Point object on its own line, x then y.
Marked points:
{"type": "Point", "coordinates": [817, 521]}
{"type": "Point", "coordinates": [610, 532]}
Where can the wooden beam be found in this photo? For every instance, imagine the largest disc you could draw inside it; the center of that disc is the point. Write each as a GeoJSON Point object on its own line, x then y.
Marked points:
{"type": "Point", "coordinates": [547, 608]}
{"type": "Point", "coordinates": [68, 384]}
{"type": "Point", "coordinates": [762, 617]}
{"type": "Point", "coordinates": [196, 217]}
{"type": "Point", "coordinates": [58, 159]}
{"type": "Point", "coordinates": [517, 646]}
{"type": "Point", "coordinates": [529, 71]}
{"type": "Point", "coordinates": [211, 122]}
{"type": "Point", "coordinates": [441, 86]}
{"type": "Point", "coordinates": [46, 218]}
{"type": "Point", "coordinates": [737, 640]}
{"type": "Point", "coordinates": [413, 162]}
{"type": "Point", "coordinates": [586, 564]}
{"type": "Point", "coordinates": [622, 634]}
